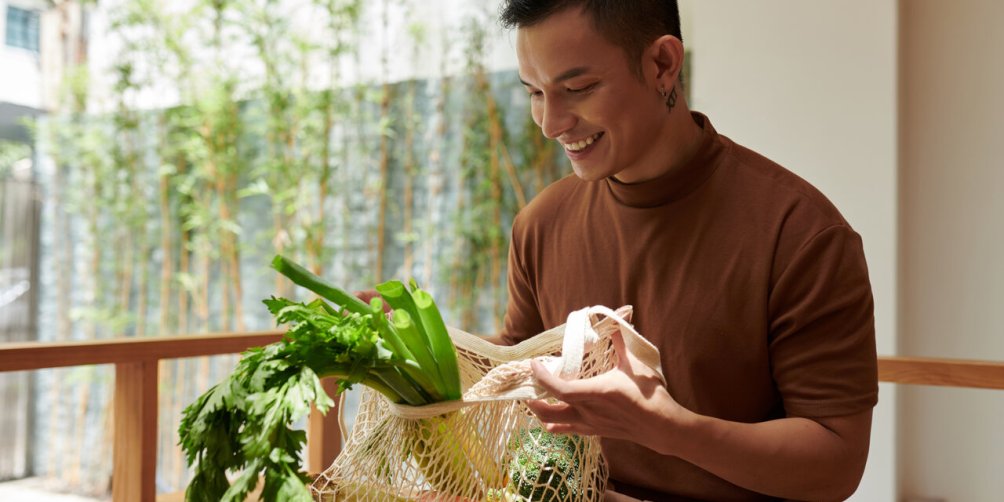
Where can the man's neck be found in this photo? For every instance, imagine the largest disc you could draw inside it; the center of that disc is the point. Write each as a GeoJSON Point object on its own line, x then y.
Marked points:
{"type": "Point", "coordinates": [682, 136]}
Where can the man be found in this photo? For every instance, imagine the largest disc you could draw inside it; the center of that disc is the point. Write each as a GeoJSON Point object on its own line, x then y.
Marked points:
{"type": "Point", "coordinates": [746, 278]}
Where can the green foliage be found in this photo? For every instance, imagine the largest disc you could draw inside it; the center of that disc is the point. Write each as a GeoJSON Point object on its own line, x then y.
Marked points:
{"type": "Point", "coordinates": [243, 424]}
{"type": "Point", "coordinates": [10, 153]}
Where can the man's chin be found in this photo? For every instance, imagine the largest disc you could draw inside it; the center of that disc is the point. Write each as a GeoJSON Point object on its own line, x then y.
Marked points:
{"type": "Point", "coordinates": [589, 174]}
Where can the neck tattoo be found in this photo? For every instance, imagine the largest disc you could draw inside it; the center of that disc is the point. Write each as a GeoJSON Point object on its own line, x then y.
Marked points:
{"type": "Point", "coordinates": [671, 99]}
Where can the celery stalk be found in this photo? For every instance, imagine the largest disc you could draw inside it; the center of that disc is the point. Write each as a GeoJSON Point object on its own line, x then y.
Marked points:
{"type": "Point", "coordinates": [395, 294]}
{"type": "Point", "coordinates": [442, 346]}
{"type": "Point", "coordinates": [412, 336]}
{"type": "Point", "coordinates": [307, 279]}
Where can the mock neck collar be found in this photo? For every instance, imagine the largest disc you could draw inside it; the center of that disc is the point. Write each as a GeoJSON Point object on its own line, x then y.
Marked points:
{"type": "Point", "coordinates": [679, 181]}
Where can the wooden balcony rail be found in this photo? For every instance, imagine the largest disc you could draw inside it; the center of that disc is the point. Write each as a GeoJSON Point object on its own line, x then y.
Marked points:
{"type": "Point", "coordinates": [135, 399]}
{"type": "Point", "coordinates": [942, 372]}
{"type": "Point", "coordinates": [135, 406]}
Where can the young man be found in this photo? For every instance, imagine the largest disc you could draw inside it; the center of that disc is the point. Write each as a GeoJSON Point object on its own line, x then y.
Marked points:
{"type": "Point", "coordinates": [746, 278]}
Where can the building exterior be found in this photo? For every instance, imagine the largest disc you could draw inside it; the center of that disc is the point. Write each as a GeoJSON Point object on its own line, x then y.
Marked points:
{"type": "Point", "coordinates": [39, 41]}
{"type": "Point", "coordinates": [20, 67]}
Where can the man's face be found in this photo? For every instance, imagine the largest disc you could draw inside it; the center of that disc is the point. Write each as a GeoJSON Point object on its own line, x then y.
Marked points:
{"type": "Point", "coordinates": [584, 94]}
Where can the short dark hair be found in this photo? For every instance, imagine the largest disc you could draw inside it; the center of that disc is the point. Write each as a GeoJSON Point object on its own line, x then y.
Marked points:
{"type": "Point", "coordinates": [630, 24]}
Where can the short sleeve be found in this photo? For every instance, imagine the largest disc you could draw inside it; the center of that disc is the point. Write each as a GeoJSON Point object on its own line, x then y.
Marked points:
{"type": "Point", "coordinates": [522, 315]}
{"type": "Point", "coordinates": [822, 328]}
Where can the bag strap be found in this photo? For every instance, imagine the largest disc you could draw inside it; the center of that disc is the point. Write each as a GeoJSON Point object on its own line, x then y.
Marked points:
{"type": "Point", "coordinates": [580, 335]}
{"type": "Point", "coordinates": [513, 380]}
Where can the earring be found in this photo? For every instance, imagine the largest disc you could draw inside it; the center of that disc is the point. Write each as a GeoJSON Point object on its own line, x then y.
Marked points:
{"type": "Point", "coordinates": [662, 92]}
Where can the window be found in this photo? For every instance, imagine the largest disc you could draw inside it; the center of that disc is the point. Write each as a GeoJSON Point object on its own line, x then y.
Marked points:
{"type": "Point", "coordinates": [22, 28]}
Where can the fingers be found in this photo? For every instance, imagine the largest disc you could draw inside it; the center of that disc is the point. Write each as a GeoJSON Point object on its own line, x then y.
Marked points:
{"type": "Point", "coordinates": [559, 418]}
{"type": "Point", "coordinates": [553, 412]}
{"type": "Point", "coordinates": [556, 417]}
{"type": "Point", "coordinates": [569, 429]}
{"type": "Point", "coordinates": [552, 384]}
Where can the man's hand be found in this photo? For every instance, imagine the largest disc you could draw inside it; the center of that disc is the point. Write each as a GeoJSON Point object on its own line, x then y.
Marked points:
{"type": "Point", "coordinates": [629, 402]}
{"type": "Point", "coordinates": [795, 458]}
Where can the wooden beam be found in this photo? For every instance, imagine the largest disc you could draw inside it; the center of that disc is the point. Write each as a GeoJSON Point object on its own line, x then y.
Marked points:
{"type": "Point", "coordinates": [942, 372]}
{"type": "Point", "coordinates": [134, 456]}
{"type": "Point", "coordinates": [324, 439]}
{"type": "Point", "coordinates": [39, 355]}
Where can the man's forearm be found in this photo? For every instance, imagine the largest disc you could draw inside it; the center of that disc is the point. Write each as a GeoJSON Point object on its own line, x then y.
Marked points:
{"type": "Point", "coordinates": [793, 458]}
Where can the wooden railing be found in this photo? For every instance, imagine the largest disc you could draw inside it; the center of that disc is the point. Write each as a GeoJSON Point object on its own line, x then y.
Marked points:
{"type": "Point", "coordinates": [135, 406]}
{"type": "Point", "coordinates": [136, 360]}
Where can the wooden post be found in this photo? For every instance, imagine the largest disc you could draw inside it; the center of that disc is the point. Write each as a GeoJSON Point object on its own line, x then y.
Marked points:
{"type": "Point", "coordinates": [324, 437]}
{"type": "Point", "coordinates": [134, 460]}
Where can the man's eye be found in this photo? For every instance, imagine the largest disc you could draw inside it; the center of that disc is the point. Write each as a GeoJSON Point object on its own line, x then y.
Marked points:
{"type": "Point", "coordinates": [580, 90]}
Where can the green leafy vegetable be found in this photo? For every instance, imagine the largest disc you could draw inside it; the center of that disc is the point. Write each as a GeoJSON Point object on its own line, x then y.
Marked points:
{"type": "Point", "coordinates": [244, 424]}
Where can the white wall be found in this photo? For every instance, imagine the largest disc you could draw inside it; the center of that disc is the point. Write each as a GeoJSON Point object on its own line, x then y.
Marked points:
{"type": "Point", "coordinates": [812, 85]}
{"type": "Point", "coordinates": [20, 72]}
{"type": "Point", "coordinates": [952, 275]}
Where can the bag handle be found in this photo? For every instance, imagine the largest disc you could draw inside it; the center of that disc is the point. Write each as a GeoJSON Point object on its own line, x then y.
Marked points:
{"type": "Point", "coordinates": [513, 380]}
{"type": "Point", "coordinates": [580, 335]}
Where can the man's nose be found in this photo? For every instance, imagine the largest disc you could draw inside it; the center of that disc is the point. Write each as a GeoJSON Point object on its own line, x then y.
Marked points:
{"type": "Point", "coordinates": [556, 119]}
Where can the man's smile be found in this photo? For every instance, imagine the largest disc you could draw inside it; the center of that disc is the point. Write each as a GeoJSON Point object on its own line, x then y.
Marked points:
{"type": "Point", "coordinates": [578, 146]}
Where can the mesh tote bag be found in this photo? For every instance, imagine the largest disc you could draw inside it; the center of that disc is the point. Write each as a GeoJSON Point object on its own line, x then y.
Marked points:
{"type": "Point", "coordinates": [487, 446]}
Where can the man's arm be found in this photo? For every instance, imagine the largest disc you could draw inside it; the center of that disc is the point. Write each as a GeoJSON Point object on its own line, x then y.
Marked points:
{"type": "Point", "coordinates": [797, 458]}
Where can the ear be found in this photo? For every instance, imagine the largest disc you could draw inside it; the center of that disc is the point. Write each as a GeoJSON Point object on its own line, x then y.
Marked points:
{"type": "Point", "coordinates": [665, 55]}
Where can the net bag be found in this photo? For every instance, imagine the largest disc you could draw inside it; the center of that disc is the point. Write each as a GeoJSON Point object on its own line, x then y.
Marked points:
{"type": "Point", "coordinates": [488, 446]}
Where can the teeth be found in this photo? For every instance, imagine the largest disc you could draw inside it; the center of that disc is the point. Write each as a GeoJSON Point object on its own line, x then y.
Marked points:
{"type": "Point", "coordinates": [579, 145]}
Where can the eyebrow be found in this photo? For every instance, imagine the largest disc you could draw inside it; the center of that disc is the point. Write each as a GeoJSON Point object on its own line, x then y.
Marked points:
{"type": "Point", "coordinates": [568, 74]}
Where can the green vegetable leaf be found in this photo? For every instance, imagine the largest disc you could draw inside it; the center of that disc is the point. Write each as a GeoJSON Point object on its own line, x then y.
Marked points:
{"type": "Point", "coordinates": [241, 428]}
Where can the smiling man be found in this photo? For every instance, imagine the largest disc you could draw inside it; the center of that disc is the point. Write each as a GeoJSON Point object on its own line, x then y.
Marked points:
{"type": "Point", "coordinates": [748, 280]}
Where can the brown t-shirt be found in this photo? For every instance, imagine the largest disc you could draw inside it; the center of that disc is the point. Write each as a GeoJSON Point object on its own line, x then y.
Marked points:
{"type": "Point", "coordinates": [747, 279]}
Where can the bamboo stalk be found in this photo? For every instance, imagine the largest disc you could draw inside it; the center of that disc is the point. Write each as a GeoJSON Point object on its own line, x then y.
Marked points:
{"type": "Point", "coordinates": [409, 180]}
{"type": "Point", "coordinates": [165, 249]}
{"type": "Point", "coordinates": [495, 143]}
{"type": "Point", "coordinates": [203, 292]}
{"type": "Point", "coordinates": [223, 235]}
{"type": "Point", "coordinates": [135, 238]}
{"type": "Point", "coordinates": [384, 142]}
{"type": "Point", "coordinates": [238, 284]}
{"type": "Point", "coordinates": [384, 184]}
{"type": "Point", "coordinates": [325, 179]}
{"type": "Point", "coordinates": [126, 270]}
{"type": "Point", "coordinates": [184, 267]}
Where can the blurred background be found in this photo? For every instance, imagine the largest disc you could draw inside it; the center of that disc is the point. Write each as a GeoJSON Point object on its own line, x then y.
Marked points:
{"type": "Point", "coordinates": [155, 154]}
